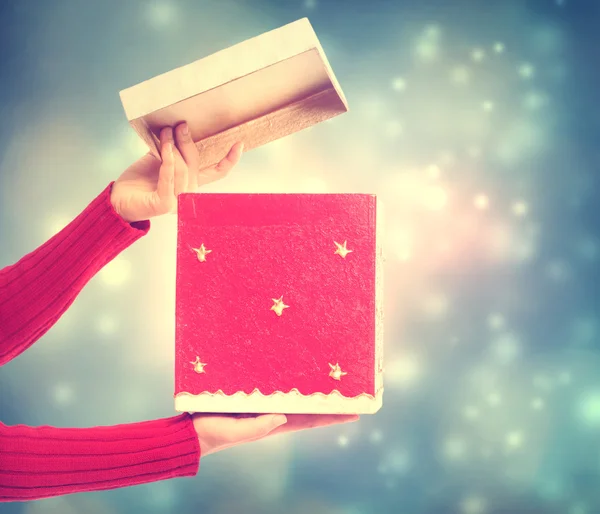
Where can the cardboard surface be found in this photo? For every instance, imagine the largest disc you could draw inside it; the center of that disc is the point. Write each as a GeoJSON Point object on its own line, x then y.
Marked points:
{"type": "Point", "coordinates": [275, 75]}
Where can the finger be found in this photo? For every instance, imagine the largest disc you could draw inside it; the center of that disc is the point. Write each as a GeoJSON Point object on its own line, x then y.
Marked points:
{"type": "Point", "coordinates": [166, 177]}
{"type": "Point", "coordinates": [189, 153]}
{"type": "Point", "coordinates": [255, 428]}
{"type": "Point", "coordinates": [231, 159]}
{"type": "Point", "coordinates": [298, 422]}
{"type": "Point", "coordinates": [166, 136]}
{"type": "Point", "coordinates": [181, 172]}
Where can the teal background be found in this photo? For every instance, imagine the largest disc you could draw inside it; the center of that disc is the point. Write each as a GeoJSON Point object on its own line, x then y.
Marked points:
{"type": "Point", "coordinates": [477, 123]}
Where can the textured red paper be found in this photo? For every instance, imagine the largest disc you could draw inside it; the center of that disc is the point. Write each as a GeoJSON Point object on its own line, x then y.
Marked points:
{"type": "Point", "coordinates": [264, 246]}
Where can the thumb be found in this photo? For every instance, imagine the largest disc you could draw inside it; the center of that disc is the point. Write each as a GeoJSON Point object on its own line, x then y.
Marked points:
{"type": "Point", "coordinates": [260, 426]}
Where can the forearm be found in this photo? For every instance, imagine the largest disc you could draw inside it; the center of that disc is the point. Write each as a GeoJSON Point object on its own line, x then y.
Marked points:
{"type": "Point", "coordinates": [37, 290]}
{"type": "Point", "coordinates": [42, 462]}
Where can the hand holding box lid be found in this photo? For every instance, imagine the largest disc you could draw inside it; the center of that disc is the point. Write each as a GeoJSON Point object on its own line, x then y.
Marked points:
{"type": "Point", "coordinates": [256, 91]}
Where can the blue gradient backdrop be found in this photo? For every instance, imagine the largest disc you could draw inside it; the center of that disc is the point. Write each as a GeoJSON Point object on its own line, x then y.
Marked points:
{"type": "Point", "coordinates": [478, 124]}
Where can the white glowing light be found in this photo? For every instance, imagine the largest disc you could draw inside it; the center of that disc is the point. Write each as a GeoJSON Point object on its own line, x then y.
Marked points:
{"type": "Point", "coordinates": [534, 100]}
{"type": "Point", "coordinates": [161, 14]}
{"type": "Point", "coordinates": [63, 394]}
{"type": "Point", "coordinates": [471, 412]}
{"type": "Point", "coordinates": [116, 272]}
{"type": "Point", "coordinates": [106, 324]}
{"type": "Point", "coordinates": [397, 461]}
{"type": "Point", "coordinates": [498, 47]}
{"type": "Point", "coordinates": [557, 271]}
{"type": "Point", "coordinates": [579, 507]}
{"type": "Point", "coordinates": [427, 50]}
{"type": "Point", "coordinates": [506, 348]}
{"type": "Point", "coordinates": [494, 399]}
{"type": "Point", "coordinates": [520, 209]}
{"type": "Point", "coordinates": [481, 202]}
{"type": "Point", "coordinates": [460, 75]}
{"type": "Point", "coordinates": [542, 383]}
{"type": "Point", "coordinates": [162, 496]}
{"type": "Point", "coordinates": [589, 409]}
{"type": "Point", "coordinates": [435, 198]}
{"type": "Point", "coordinates": [432, 32]}
{"type": "Point", "coordinates": [376, 436]}
{"type": "Point", "coordinates": [564, 377]}
{"type": "Point", "coordinates": [488, 106]}
{"type": "Point", "coordinates": [399, 84]}
{"type": "Point", "coordinates": [436, 305]}
{"type": "Point", "coordinates": [343, 441]}
{"type": "Point", "coordinates": [134, 144]}
{"type": "Point", "coordinates": [399, 245]}
{"type": "Point", "coordinates": [434, 172]}
{"type": "Point", "coordinates": [115, 160]}
{"type": "Point", "coordinates": [537, 404]}
{"type": "Point", "coordinates": [454, 448]}
{"type": "Point", "coordinates": [478, 54]}
{"type": "Point", "coordinates": [57, 224]}
{"type": "Point", "coordinates": [522, 137]}
{"type": "Point", "coordinates": [313, 185]}
{"type": "Point", "coordinates": [403, 371]}
{"type": "Point", "coordinates": [447, 159]}
{"type": "Point", "coordinates": [514, 439]}
{"type": "Point", "coordinates": [496, 321]}
{"type": "Point", "coordinates": [473, 151]}
{"type": "Point", "coordinates": [526, 71]}
{"type": "Point", "coordinates": [473, 505]}
{"type": "Point", "coordinates": [372, 108]}
{"type": "Point", "coordinates": [393, 129]}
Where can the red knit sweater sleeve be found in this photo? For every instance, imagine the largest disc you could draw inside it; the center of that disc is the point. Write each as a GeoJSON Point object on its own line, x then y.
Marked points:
{"type": "Point", "coordinates": [39, 462]}
{"type": "Point", "coordinates": [37, 290]}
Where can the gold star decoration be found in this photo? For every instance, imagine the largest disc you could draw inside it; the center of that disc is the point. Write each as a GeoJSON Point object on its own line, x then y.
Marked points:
{"type": "Point", "coordinates": [336, 372]}
{"type": "Point", "coordinates": [342, 251]}
{"type": "Point", "coordinates": [198, 366]}
{"type": "Point", "coordinates": [202, 252]}
{"type": "Point", "coordinates": [278, 306]}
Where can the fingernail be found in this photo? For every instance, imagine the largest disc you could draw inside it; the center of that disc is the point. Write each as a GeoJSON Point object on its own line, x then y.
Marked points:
{"type": "Point", "coordinates": [185, 130]}
{"type": "Point", "coordinates": [278, 420]}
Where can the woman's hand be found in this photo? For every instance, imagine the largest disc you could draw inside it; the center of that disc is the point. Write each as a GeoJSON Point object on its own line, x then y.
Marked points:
{"type": "Point", "coordinates": [217, 432]}
{"type": "Point", "coordinates": [149, 188]}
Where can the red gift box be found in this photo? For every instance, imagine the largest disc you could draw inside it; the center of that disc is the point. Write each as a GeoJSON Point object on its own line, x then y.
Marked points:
{"type": "Point", "coordinates": [279, 303]}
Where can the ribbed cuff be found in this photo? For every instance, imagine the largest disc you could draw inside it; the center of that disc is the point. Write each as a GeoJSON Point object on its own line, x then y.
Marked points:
{"type": "Point", "coordinates": [45, 461]}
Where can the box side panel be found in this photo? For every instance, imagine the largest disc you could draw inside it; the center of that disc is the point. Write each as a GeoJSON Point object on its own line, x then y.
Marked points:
{"type": "Point", "coordinates": [330, 72]}
{"type": "Point", "coordinates": [219, 68]}
{"type": "Point", "coordinates": [270, 127]}
{"type": "Point", "coordinates": [379, 297]}
{"type": "Point", "coordinates": [247, 98]}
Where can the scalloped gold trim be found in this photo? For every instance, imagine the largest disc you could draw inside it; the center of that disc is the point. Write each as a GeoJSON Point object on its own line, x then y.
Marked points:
{"type": "Point", "coordinates": [292, 402]}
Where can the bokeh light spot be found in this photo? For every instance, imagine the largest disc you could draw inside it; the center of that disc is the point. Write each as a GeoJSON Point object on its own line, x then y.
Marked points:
{"type": "Point", "coordinates": [116, 272]}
